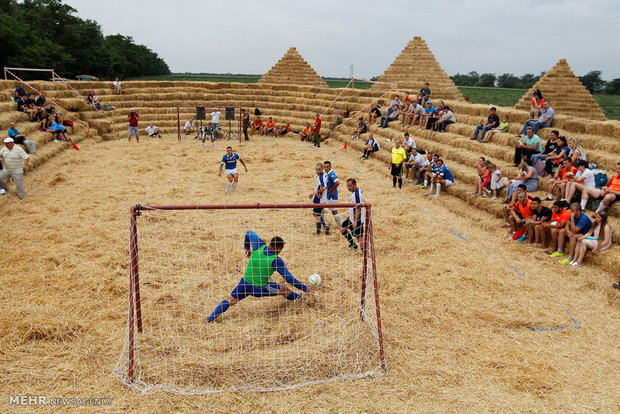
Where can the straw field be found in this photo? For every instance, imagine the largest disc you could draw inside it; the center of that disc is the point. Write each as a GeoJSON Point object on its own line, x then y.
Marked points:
{"type": "Point", "coordinates": [457, 314]}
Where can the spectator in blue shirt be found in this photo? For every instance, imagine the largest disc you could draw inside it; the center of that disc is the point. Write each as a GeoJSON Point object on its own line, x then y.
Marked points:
{"type": "Point", "coordinates": [578, 225]}
{"type": "Point", "coordinates": [424, 95]}
{"type": "Point", "coordinates": [21, 139]}
{"type": "Point", "coordinates": [492, 122]}
{"type": "Point", "coordinates": [544, 121]}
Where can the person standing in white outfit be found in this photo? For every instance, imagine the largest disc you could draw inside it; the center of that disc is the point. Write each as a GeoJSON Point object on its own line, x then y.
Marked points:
{"type": "Point", "coordinates": [15, 161]}
{"type": "Point", "coordinates": [215, 122]}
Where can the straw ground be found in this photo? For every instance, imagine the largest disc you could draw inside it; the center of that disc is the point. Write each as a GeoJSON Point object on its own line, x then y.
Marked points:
{"type": "Point", "coordinates": [456, 319]}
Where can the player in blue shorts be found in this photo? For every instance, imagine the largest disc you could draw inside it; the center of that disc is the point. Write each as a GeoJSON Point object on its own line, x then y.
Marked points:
{"type": "Point", "coordinates": [319, 196]}
{"type": "Point", "coordinates": [264, 261]}
{"type": "Point", "coordinates": [332, 192]}
{"type": "Point", "coordinates": [229, 160]}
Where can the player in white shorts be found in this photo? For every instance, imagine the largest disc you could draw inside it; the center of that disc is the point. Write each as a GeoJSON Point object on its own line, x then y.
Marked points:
{"type": "Point", "coordinates": [229, 164]}
{"type": "Point", "coordinates": [332, 192]}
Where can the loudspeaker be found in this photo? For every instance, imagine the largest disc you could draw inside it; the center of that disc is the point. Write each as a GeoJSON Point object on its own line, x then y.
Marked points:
{"type": "Point", "coordinates": [230, 113]}
{"type": "Point", "coordinates": [200, 113]}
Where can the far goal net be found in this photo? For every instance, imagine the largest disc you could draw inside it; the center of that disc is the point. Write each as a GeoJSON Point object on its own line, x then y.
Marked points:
{"type": "Point", "coordinates": [185, 260]}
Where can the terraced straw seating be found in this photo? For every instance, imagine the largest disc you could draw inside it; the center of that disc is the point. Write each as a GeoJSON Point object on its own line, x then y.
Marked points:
{"type": "Point", "coordinates": [565, 92]}
{"type": "Point", "coordinates": [460, 155]}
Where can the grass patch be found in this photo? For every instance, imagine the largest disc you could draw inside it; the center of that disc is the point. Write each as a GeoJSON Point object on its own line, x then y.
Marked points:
{"type": "Point", "coordinates": [610, 105]}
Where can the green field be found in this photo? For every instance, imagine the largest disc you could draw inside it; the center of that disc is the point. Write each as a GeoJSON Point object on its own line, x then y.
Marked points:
{"type": "Point", "coordinates": [492, 96]}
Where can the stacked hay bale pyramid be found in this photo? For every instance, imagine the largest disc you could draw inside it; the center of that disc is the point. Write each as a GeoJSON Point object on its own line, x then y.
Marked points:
{"type": "Point", "coordinates": [292, 69]}
{"type": "Point", "coordinates": [568, 96]}
{"type": "Point", "coordinates": [415, 65]}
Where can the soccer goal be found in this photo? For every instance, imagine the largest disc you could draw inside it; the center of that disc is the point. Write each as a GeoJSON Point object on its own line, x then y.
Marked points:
{"type": "Point", "coordinates": [184, 260]}
{"type": "Point", "coordinates": [229, 121]}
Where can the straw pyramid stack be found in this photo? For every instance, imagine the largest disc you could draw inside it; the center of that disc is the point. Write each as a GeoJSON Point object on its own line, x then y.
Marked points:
{"type": "Point", "coordinates": [416, 65]}
{"type": "Point", "coordinates": [568, 96]}
{"type": "Point", "coordinates": [292, 69]}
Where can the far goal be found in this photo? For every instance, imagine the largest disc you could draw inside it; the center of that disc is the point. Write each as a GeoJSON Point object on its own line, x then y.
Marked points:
{"type": "Point", "coordinates": [184, 260]}
{"type": "Point", "coordinates": [229, 125]}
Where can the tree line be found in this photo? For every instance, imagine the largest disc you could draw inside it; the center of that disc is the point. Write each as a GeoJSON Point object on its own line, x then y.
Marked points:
{"type": "Point", "coordinates": [592, 81]}
{"type": "Point", "coordinates": [49, 34]}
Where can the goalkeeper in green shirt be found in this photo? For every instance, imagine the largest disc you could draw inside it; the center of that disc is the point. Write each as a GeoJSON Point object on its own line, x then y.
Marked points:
{"type": "Point", "coordinates": [264, 261]}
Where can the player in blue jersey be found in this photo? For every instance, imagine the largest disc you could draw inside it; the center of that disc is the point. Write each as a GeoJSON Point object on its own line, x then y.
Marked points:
{"type": "Point", "coordinates": [319, 196]}
{"type": "Point", "coordinates": [229, 164]}
{"type": "Point", "coordinates": [443, 177]}
{"type": "Point", "coordinates": [354, 225]}
{"type": "Point", "coordinates": [264, 261]}
{"type": "Point", "coordinates": [332, 192]}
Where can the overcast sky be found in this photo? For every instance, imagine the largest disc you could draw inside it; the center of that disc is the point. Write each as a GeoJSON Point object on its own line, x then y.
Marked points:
{"type": "Point", "coordinates": [497, 36]}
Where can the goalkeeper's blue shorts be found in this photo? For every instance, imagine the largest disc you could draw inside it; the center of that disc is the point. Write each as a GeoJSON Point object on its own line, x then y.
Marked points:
{"type": "Point", "coordinates": [245, 289]}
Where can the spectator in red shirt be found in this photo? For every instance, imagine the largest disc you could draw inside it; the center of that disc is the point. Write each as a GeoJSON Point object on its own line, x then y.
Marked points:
{"type": "Point", "coordinates": [133, 124]}
{"type": "Point", "coordinates": [316, 128]}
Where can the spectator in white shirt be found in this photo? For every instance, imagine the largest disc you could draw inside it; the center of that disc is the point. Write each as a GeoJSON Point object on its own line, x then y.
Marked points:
{"type": "Point", "coordinates": [215, 121]}
{"type": "Point", "coordinates": [15, 161]}
{"type": "Point", "coordinates": [152, 131]}
{"type": "Point", "coordinates": [414, 163]}
{"type": "Point", "coordinates": [189, 127]}
{"type": "Point", "coordinates": [116, 85]}
{"type": "Point", "coordinates": [408, 142]}
{"type": "Point", "coordinates": [584, 178]}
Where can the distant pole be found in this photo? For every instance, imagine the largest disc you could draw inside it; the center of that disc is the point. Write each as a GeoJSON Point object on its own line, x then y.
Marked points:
{"type": "Point", "coordinates": [351, 73]}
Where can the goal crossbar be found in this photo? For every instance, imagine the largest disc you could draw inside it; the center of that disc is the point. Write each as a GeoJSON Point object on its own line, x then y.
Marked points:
{"type": "Point", "coordinates": [135, 320]}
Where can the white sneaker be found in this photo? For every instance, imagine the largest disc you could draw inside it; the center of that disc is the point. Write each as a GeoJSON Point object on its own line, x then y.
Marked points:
{"type": "Point", "coordinates": [2, 191]}
{"type": "Point", "coordinates": [55, 140]}
{"type": "Point", "coordinates": [410, 181]}
{"type": "Point", "coordinates": [437, 196]}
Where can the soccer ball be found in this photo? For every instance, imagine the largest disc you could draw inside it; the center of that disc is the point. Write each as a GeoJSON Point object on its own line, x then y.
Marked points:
{"type": "Point", "coordinates": [314, 279]}
{"type": "Point", "coordinates": [2, 191]}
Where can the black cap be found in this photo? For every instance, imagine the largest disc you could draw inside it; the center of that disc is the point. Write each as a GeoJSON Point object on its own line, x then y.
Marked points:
{"type": "Point", "coordinates": [493, 109]}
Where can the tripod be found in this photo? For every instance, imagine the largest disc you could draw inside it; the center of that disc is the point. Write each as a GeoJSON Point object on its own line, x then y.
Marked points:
{"type": "Point", "coordinates": [229, 134]}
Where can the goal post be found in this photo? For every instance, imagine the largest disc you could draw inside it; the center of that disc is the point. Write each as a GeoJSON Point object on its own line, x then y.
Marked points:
{"type": "Point", "coordinates": [229, 125]}
{"type": "Point", "coordinates": [185, 259]}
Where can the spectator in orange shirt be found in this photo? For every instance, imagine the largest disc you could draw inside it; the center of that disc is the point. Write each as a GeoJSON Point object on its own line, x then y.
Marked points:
{"type": "Point", "coordinates": [610, 192]}
{"type": "Point", "coordinates": [561, 177]}
{"type": "Point", "coordinates": [306, 133]}
{"type": "Point", "coordinates": [256, 125]}
{"type": "Point", "coordinates": [284, 129]}
{"type": "Point", "coordinates": [270, 127]}
{"type": "Point", "coordinates": [520, 212]}
{"type": "Point", "coordinates": [559, 218]}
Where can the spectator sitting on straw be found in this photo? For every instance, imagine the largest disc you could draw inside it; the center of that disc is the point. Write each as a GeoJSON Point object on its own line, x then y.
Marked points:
{"type": "Point", "coordinates": [561, 178]}
{"type": "Point", "coordinates": [544, 121]}
{"type": "Point", "coordinates": [34, 112]}
{"type": "Point", "coordinates": [20, 92]}
{"type": "Point", "coordinates": [257, 125]}
{"type": "Point", "coordinates": [443, 177]}
{"type": "Point", "coordinates": [93, 99]}
{"type": "Point", "coordinates": [496, 180]}
{"type": "Point", "coordinates": [609, 193]}
{"type": "Point", "coordinates": [152, 131]}
{"type": "Point", "coordinates": [284, 129]}
{"type": "Point", "coordinates": [550, 147]}
{"type": "Point", "coordinates": [426, 173]}
{"type": "Point", "coordinates": [371, 145]}
{"type": "Point", "coordinates": [59, 132]}
{"type": "Point", "coordinates": [430, 122]}
{"type": "Point", "coordinates": [394, 105]}
{"type": "Point", "coordinates": [519, 214]}
{"type": "Point", "coordinates": [385, 120]}
{"type": "Point", "coordinates": [527, 176]}
{"type": "Point", "coordinates": [270, 127]}
{"type": "Point", "coordinates": [374, 113]}
{"type": "Point", "coordinates": [15, 162]}
{"type": "Point", "coordinates": [576, 152]}
{"type": "Point", "coordinates": [483, 180]}
{"type": "Point", "coordinates": [578, 225]}
{"type": "Point", "coordinates": [447, 118]}
{"type": "Point", "coordinates": [583, 178]}
{"type": "Point", "coordinates": [189, 127]}
{"type": "Point", "coordinates": [415, 115]}
{"type": "Point", "coordinates": [537, 104]}
{"type": "Point", "coordinates": [42, 103]}
{"type": "Point", "coordinates": [21, 139]}
{"type": "Point", "coordinates": [561, 151]}
{"type": "Point", "coordinates": [406, 110]}
{"type": "Point", "coordinates": [424, 95]}
{"type": "Point", "coordinates": [429, 110]}
{"type": "Point", "coordinates": [46, 123]}
{"type": "Point", "coordinates": [502, 128]}
{"type": "Point", "coordinates": [362, 128]}
{"type": "Point", "coordinates": [415, 163]}
{"type": "Point", "coordinates": [116, 86]}
{"type": "Point", "coordinates": [541, 214]}
{"type": "Point", "coordinates": [407, 98]}
{"type": "Point", "coordinates": [306, 133]}
{"type": "Point", "coordinates": [480, 166]}
{"type": "Point", "coordinates": [551, 230]}
{"type": "Point", "coordinates": [491, 122]}
{"type": "Point", "coordinates": [408, 142]}
{"type": "Point", "coordinates": [597, 239]}
{"type": "Point", "coordinates": [527, 147]}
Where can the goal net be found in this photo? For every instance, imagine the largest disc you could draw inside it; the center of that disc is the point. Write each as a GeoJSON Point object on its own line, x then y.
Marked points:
{"type": "Point", "coordinates": [184, 260]}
